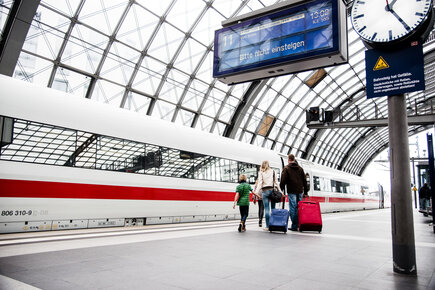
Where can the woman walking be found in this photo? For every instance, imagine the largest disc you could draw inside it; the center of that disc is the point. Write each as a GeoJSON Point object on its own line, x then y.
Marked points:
{"type": "Point", "coordinates": [267, 180]}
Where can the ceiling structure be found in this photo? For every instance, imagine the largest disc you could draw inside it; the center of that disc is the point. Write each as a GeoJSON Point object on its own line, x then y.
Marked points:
{"type": "Point", "coordinates": [156, 58]}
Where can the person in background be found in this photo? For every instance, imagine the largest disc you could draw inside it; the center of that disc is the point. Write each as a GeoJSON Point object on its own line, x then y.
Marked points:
{"type": "Point", "coordinates": [260, 205]}
{"type": "Point", "coordinates": [294, 177]}
{"type": "Point", "coordinates": [242, 199]}
{"type": "Point", "coordinates": [424, 196]}
{"type": "Point", "coordinates": [267, 180]}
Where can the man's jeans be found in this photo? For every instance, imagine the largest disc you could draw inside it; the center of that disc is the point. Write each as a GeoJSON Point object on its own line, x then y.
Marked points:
{"type": "Point", "coordinates": [293, 206]}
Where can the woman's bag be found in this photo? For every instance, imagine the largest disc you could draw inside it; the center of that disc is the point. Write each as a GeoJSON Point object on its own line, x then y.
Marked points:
{"type": "Point", "coordinates": [275, 196]}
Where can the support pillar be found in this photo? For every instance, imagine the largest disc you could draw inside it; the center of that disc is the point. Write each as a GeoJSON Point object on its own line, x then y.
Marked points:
{"type": "Point", "coordinates": [431, 174]}
{"type": "Point", "coordinates": [402, 222]}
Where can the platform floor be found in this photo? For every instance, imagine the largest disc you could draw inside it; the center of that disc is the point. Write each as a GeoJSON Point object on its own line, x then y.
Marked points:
{"type": "Point", "coordinates": [353, 252]}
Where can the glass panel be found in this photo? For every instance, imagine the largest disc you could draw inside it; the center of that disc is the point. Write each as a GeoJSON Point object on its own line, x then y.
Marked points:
{"type": "Point", "coordinates": [166, 43]}
{"type": "Point", "coordinates": [157, 7]}
{"type": "Point", "coordinates": [149, 75]}
{"type": "Point", "coordinates": [184, 13]}
{"type": "Point", "coordinates": [226, 7]}
{"type": "Point", "coordinates": [136, 102]}
{"type": "Point", "coordinates": [85, 48]}
{"type": "Point", "coordinates": [103, 15]}
{"type": "Point", "coordinates": [71, 82]}
{"type": "Point", "coordinates": [33, 69]}
{"type": "Point", "coordinates": [46, 34]}
{"type": "Point", "coordinates": [185, 118]}
{"type": "Point", "coordinates": [164, 110]}
{"type": "Point", "coordinates": [67, 7]}
{"type": "Point", "coordinates": [171, 92]}
{"type": "Point", "coordinates": [211, 21]}
{"type": "Point", "coordinates": [190, 56]}
{"type": "Point", "coordinates": [205, 71]}
{"type": "Point", "coordinates": [120, 63]}
{"type": "Point", "coordinates": [205, 123]}
{"type": "Point", "coordinates": [195, 95]}
{"type": "Point", "coordinates": [137, 28]}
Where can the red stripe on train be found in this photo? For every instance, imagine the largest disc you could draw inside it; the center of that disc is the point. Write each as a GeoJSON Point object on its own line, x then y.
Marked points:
{"type": "Point", "coordinates": [44, 189]}
{"type": "Point", "coordinates": [47, 189]}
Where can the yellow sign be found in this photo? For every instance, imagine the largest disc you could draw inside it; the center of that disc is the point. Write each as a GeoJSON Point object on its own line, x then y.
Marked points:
{"type": "Point", "coordinates": [381, 64]}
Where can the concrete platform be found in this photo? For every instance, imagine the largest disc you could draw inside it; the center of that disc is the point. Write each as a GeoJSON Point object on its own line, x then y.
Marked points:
{"type": "Point", "coordinates": [353, 252]}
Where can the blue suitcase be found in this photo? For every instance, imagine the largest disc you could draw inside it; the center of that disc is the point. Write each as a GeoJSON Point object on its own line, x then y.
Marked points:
{"type": "Point", "coordinates": [278, 220]}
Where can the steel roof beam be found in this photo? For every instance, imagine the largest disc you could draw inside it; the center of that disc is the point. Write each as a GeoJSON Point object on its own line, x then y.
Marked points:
{"type": "Point", "coordinates": [251, 93]}
{"type": "Point", "coordinates": [412, 120]}
{"type": "Point", "coordinates": [16, 28]}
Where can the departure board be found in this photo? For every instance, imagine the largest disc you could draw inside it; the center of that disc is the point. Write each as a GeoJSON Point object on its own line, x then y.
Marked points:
{"type": "Point", "coordinates": [299, 32]}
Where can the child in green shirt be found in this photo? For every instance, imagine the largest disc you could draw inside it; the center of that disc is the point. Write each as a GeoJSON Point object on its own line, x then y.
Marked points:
{"type": "Point", "coordinates": [242, 199]}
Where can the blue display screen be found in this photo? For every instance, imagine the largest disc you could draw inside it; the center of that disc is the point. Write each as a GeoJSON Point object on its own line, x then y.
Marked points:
{"type": "Point", "coordinates": [295, 33]}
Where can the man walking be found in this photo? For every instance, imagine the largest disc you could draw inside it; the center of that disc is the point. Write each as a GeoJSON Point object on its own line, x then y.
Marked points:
{"type": "Point", "coordinates": [424, 196]}
{"type": "Point", "coordinates": [294, 177]}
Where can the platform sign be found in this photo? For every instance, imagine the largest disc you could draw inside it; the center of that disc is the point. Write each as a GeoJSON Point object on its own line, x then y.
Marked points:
{"type": "Point", "coordinates": [394, 73]}
{"type": "Point", "coordinates": [279, 42]}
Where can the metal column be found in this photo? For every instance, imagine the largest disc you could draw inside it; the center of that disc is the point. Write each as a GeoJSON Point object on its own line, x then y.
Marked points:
{"type": "Point", "coordinates": [16, 28]}
{"type": "Point", "coordinates": [431, 174]}
{"type": "Point", "coordinates": [402, 223]}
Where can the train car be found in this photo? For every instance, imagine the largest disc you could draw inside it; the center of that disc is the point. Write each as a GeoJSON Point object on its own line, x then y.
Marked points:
{"type": "Point", "coordinates": [68, 162]}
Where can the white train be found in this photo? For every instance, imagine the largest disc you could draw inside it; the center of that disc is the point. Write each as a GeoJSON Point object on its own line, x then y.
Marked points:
{"type": "Point", "coordinates": [75, 163]}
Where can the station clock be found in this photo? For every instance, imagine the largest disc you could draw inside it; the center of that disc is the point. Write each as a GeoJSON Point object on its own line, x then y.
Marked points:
{"type": "Point", "coordinates": [391, 22]}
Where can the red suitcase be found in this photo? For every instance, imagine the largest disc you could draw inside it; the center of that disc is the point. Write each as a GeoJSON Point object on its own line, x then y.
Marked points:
{"type": "Point", "coordinates": [310, 218]}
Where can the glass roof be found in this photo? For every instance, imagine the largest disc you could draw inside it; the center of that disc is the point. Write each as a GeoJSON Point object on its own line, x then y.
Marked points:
{"type": "Point", "coordinates": [155, 58]}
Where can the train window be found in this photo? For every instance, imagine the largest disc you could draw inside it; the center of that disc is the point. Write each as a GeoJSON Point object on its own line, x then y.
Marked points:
{"type": "Point", "coordinates": [119, 155]}
{"type": "Point", "coordinates": [334, 186]}
{"type": "Point", "coordinates": [88, 153]}
{"type": "Point", "coordinates": [250, 170]}
{"type": "Point", "coordinates": [325, 184]}
{"type": "Point", "coordinates": [307, 176]}
{"type": "Point", "coordinates": [346, 187]}
{"type": "Point", "coordinates": [234, 172]}
{"type": "Point", "coordinates": [46, 144]}
{"type": "Point", "coordinates": [152, 159]}
{"type": "Point", "coordinates": [337, 186]}
{"type": "Point", "coordinates": [316, 183]}
{"type": "Point", "coordinates": [174, 164]}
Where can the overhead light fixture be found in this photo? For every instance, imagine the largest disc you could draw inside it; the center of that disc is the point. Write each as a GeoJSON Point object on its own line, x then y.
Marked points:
{"type": "Point", "coordinates": [316, 78]}
{"type": "Point", "coordinates": [266, 125]}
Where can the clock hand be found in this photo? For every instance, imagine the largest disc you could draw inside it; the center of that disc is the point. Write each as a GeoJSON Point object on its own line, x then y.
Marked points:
{"type": "Point", "coordinates": [387, 8]}
{"type": "Point", "coordinates": [400, 19]}
{"type": "Point", "coordinates": [392, 3]}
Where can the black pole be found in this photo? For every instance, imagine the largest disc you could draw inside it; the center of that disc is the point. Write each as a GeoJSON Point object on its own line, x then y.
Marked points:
{"type": "Point", "coordinates": [431, 173]}
{"type": "Point", "coordinates": [413, 180]}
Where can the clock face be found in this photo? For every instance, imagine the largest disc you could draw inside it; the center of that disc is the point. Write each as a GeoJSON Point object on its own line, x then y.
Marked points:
{"type": "Point", "coordinates": [386, 21]}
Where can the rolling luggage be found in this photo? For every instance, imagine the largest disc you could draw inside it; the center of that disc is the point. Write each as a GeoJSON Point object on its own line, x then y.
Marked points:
{"type": "Point", "coordinates": [310, 218]}
{"type": "Point", "coordinates": [278, 220]}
